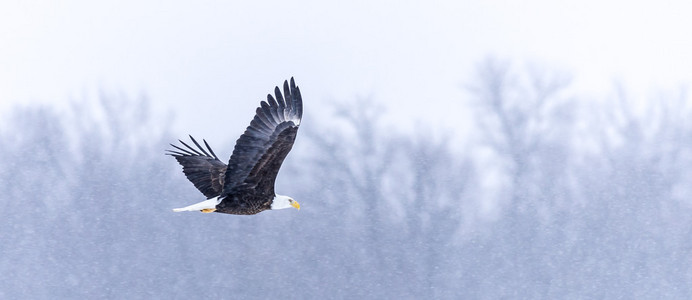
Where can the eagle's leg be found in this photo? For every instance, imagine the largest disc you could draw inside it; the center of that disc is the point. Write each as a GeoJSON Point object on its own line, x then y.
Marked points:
{"type": "Point", "coordinates": [208, 210]}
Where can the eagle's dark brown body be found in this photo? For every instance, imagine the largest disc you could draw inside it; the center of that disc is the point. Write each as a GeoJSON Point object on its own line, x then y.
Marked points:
{"type": "Point", "coordinates": [244, 204]}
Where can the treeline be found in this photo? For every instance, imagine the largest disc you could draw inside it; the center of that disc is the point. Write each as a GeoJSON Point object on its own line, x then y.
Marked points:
{"type": "Point", "coordinates": [556, 196]}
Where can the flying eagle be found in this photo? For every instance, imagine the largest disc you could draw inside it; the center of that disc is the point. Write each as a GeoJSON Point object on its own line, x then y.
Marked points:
{"type": "Point", "coordinates": [246, 185]}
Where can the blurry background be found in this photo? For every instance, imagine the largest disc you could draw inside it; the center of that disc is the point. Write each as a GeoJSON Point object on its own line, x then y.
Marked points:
{"type": "Point", "coordinates": [448, 149]}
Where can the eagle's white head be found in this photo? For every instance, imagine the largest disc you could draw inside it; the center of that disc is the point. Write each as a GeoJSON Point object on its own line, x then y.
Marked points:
{"type": "Point", "coordinates": [281, 202]}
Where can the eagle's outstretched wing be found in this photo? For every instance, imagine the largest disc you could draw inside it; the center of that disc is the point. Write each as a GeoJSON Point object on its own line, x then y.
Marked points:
{"type": "Point", "coordinates": [202, 168]}
{"type": "Point", "coordinates": [259, 151]}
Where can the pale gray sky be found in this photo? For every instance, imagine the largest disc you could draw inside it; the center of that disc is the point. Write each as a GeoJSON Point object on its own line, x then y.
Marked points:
{"type": "Point", "coordinates": [205, 60]}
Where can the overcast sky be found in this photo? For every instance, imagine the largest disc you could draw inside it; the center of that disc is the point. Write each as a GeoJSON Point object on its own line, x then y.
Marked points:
{"type": "Point", "coordinates": [207, 60]}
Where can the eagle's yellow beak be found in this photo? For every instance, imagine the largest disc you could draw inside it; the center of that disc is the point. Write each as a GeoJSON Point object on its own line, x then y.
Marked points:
{"type": "Point", "coordinates": [295, 204]}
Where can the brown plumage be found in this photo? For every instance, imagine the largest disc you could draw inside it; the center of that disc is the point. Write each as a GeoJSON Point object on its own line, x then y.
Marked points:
{"type": "Point", "coordinates": [246, 184]}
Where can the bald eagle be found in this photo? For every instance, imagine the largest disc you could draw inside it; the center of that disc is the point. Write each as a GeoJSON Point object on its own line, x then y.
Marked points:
{"type": "Point", "coordinates": [246, 185]}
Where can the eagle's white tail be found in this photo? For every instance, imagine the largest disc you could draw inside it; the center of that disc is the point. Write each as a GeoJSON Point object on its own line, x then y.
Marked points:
{"type": "Point", "coordinates": [206, 204]}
